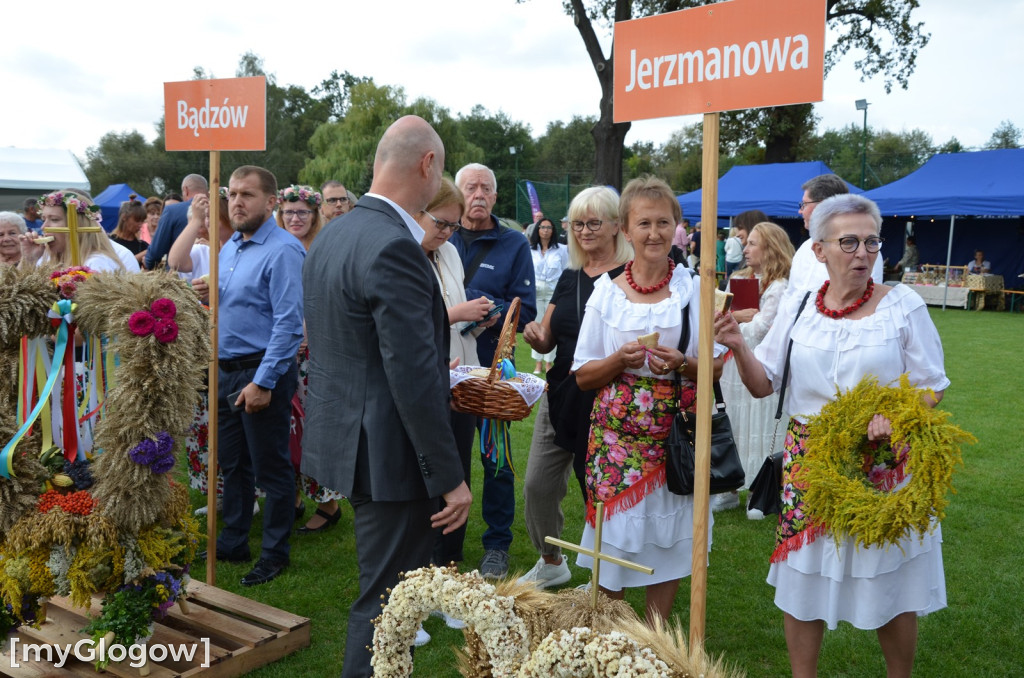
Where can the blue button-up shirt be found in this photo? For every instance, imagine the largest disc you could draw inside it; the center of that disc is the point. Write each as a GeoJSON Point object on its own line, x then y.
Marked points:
{"type": "Point", "coordinates": [260, 286]}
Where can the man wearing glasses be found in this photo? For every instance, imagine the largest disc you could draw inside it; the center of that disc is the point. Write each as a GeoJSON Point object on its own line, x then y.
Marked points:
{"type": "Point", "coordinates": [335, 201]}
{"type": "Point", "coordinates": [498, 265]}
{"type": "Point", "coordinates": [807, 273]}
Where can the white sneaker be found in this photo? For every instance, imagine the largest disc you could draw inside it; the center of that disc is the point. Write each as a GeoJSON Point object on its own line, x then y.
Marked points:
{"type": "Point", "coordinates": [255, 507]}
{"type": "Point", "coordinates": [755, 514]}
{"type": "Point", "coordinates": [725, 501]}
{"type": "Point", "coordinates": [544, 575]}
{"type": "Point", "coordinates": [450, 622]}
{"type": "Point", "coordinates": [583, 587]}
{"type": "Point", "coordinates": [422, 637]}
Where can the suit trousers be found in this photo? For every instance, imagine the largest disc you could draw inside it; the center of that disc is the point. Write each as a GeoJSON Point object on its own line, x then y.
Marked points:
{"type": "Point", "coordinates": [391, 537]}
{"type": "Point", "coordinates": [547, 481]}
{"type": "Point", "coordinates": [253, 450]}
{"type": "Point", "coordinates": [498, 503]}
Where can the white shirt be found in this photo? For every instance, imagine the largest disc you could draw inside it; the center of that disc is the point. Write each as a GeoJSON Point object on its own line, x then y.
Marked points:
{"type": "Point", "coordinates": [833, 354]}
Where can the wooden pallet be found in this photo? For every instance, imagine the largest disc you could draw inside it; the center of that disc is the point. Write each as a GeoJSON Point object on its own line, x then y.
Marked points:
{"type": "Point", "coordinates": [243, 635]}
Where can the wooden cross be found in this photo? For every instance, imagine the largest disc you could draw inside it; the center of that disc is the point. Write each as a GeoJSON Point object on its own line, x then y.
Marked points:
{"type": "Point", "coordinates": [595, 553]}
{"type": "Point", "coordinates": [73, 229]}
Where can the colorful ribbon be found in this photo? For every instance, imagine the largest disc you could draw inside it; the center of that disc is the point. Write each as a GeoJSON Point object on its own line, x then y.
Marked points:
{"type": "Point", "coordinates": [62, 315]}
{"type": "Point", "coordinates": [495, 441]}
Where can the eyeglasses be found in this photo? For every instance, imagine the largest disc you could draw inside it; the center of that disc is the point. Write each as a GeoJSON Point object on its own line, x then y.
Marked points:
{"type": "Point", "coordinates": [593, 225]}
{"type": "Point", "coordinates": [851, 244]}
{"type": "Point", "coordinates": [337, 201]}
{"type": "Point", "coordinates": [441, 224]}
{"type": "Point", "coordinates": [804, 203]}
{"type": "Point", "coordinates": [289, 214]}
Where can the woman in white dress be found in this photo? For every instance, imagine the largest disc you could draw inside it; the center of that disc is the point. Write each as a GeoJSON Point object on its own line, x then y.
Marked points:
{"type": "Point", "coordinates": [853, 329]}
{"type": "Point", "coordinates": [769, 254]}
{"type": "Point", "coordinates": [637, 399]}
{"type": "Point", "coordinates": [549, 260]}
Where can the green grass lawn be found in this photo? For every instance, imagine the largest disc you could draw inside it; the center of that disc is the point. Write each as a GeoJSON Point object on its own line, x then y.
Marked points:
{"type": "Point", "coordinates": [979, 634]}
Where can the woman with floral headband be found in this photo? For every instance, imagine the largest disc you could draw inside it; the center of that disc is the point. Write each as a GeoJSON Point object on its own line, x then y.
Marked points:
{"type": "Point", "coordinates": [96, 251]}
{"type": "Point", "coordinates": [298, 213]}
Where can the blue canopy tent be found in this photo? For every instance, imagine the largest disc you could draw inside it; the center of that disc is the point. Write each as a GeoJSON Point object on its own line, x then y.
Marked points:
{"type": "Point", "coordinates": [981, 192]}
{"type": "Point", "coordinates": [110, 203]}
{"type": "Point", "coordinates": [774, 189]}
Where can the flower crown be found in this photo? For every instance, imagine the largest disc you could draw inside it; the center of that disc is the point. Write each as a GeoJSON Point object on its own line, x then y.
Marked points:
{"type": "Point", "coordinates": [66, 200]}
{"type": "Point", "coordinates": [304, 193]}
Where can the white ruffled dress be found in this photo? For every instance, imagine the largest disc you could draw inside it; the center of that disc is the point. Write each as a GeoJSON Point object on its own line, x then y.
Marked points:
{"type": "Point", "coordinates": [866, 587]}
{"type": "Point", "coordinates": [753, 419]}
{"type": "Point", "coordinates": [657, 531]}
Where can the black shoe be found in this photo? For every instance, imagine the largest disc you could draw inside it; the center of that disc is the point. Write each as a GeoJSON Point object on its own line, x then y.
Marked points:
{"type": "Point", "coordinates": [300, 510]}
{"type": "Point", "coordinates": [265, 570]}
{"type": "Point", "coordinates": [329, 520]}
{"type": "Point", "coordinates": [228, 557]}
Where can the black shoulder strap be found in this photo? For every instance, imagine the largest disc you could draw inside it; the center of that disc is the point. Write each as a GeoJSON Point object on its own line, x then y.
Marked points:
{"type": "Point", "coordinates": [789, 349]}
{"type": "Point", "coordinates": [485, 249]}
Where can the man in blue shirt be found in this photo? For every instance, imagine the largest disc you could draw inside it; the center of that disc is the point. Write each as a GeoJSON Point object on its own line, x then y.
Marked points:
{"type": "Point", "coordinates": [174, 218]}
{"type": "Point", "coordinates": [30, 213]}
{"type": "Point", "coordinates": [259, 330]}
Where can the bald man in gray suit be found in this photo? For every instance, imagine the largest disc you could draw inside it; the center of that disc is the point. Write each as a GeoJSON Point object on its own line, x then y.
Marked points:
{"type": "Point", "coordinates": [377, 414]}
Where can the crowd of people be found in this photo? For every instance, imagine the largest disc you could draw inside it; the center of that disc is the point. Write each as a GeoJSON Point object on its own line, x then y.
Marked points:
{"type": "Point", "coordinates": [339, 321]}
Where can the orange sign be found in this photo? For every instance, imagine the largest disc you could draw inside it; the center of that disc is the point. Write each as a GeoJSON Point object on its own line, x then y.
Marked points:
{"type": "Point", "coordinates": [721, 57]}
{"type": "Point", "coordinates": [216, 115]}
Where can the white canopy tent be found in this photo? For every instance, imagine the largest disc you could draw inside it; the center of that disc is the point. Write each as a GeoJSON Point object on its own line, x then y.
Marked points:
{"type": "Point", "coordinates": [30, 172]}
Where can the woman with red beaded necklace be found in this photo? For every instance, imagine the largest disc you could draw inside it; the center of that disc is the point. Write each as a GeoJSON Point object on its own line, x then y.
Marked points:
{"type": "Point", "coordinates": [637, 397]}
{"type": "Point", "coordinates": [851, 330]}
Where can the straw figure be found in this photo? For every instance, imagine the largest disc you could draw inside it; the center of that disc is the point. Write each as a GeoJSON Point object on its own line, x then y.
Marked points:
{"type": "Point", "coordinates": [98, 512]}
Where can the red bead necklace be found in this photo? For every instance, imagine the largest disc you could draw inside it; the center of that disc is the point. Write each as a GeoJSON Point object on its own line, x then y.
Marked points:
{"type": "Point", "coordinates": [650, 288]}
{"type": "Point", "coordinates": [819, 302]}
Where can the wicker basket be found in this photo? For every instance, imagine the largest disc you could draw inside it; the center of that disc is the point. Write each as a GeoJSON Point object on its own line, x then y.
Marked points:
{"type": "Point", "coordinates": [488, 397]}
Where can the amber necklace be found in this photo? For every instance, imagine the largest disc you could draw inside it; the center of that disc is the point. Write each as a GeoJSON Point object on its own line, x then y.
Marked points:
{"type": "Point", "coordinates": [649, 288]}
{"type": "Point", "coordinates": [819, 302]}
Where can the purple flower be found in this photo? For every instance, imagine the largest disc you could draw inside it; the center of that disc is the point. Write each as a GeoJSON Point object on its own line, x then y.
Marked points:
{"type": "Point", "coordinates": [157, 454]}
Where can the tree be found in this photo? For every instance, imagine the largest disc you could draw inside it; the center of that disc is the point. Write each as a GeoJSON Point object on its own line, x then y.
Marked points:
{"type": "Point", "coordinates": [124, 158]}
{"type": "Point", "coordinates": [1006, 135]}
{"type": "Point", "coordinates": [494, 134]}
{"type": "Point", "coordinates": [882, 29]}
{"type": "Point", "coordinates": [566, 150]}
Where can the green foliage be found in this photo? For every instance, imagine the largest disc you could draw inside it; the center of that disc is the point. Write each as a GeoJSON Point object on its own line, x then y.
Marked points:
{"type": "Point", "coordinates": [1006, 135]}
{"type": "Point", "coordinates": [125, 158]}
{"type": "Point", "coordinates": [567, 150]}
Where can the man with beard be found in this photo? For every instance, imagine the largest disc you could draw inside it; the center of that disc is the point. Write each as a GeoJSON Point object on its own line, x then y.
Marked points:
{"type": "Point", "coordinates": [498, 265]}
{"type": "Point", "coordinates": [259, 330]}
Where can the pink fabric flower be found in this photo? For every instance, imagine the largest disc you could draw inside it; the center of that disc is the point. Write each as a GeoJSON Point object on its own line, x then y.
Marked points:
{"type": "Point", "coordinates": [644, 400]}
{"type": "Point", "coordinates": [141, 323]}
{"type": "Point", "coordinates": [164, 308]}
{"type": "Point", "coordinates": [165, 331]}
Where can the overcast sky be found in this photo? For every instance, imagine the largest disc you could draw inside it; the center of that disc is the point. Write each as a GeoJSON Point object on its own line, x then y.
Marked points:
{"type": "Point", "coordinates": [70, 76]}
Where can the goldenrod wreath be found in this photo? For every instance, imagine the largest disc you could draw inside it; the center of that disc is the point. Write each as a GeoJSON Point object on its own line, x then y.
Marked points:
{"type": "Point", "coordinates": [839, 493]}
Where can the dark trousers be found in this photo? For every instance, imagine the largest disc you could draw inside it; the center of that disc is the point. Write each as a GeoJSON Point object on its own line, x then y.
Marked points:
{"type": "Point", "coordinates": [391, 537]}
{"type": "Point", "coordinates": [253, 450]}
{"type": "Point", "coordinates": [498, 504]}
{"type": "Point", "coordinates": [448, 547]}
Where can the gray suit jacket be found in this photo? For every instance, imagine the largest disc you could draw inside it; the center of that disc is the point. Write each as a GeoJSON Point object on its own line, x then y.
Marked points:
{"type": "Point", "coordinates": [377, 412]}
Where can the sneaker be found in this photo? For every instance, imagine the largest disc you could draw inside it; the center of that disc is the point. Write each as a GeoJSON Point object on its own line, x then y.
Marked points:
{"type": "Point", "coordinates": [422, 637]}
{"type": "Point", "coordinates": [544, 575]}
{"type": "Point", "coordinates": [494, 564]}
{"type": "Point", "coordinates": [450, 622]}
{"type": "Point", "coordinates": [583, 587]}
{"type": "Point", "coordinates": [755, 514]}
{"type": "Point", "coordinates": [725, 501]}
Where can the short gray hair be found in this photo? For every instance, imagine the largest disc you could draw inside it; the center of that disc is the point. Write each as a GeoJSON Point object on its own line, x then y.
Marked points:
{"type": "Point", "coordinates": [847, 203]}
{"type": "Point", "coordinates": [474, 166]}
{"type": "Point", "coordinates": [13, 219]}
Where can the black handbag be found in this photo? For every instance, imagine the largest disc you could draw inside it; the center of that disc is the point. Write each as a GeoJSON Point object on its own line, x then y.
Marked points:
{"type": "Point", "coordinates": [680, 447]}
{"type": "Point", "coordinates": [766, 489]}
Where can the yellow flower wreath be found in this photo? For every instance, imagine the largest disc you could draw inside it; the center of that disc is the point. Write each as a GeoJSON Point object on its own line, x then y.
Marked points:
{"type": "Point", "coordinates": [839, 493]}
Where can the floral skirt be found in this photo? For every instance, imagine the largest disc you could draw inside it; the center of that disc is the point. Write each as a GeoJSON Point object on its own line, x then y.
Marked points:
{"type": "Point", "coordinates": [819, 577]}
{"type": "Point", "coordinates": [197, 446]}
{"type": "Point", "coordinates": [631, 419]}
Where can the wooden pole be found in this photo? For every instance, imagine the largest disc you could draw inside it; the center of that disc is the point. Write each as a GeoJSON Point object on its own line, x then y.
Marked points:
{"type": "Point", "coordinates": [212, 399]}
{"type": "Point", "coordinates": [705, 367]}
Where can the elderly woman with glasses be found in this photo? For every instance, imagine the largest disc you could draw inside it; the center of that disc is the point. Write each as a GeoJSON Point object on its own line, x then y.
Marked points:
{"type": "Point", "coordinates": [848, 330]}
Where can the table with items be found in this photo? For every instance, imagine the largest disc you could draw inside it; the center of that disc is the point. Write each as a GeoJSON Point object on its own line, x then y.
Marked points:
{"type": "Point", "coordinates": [953, 286]}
